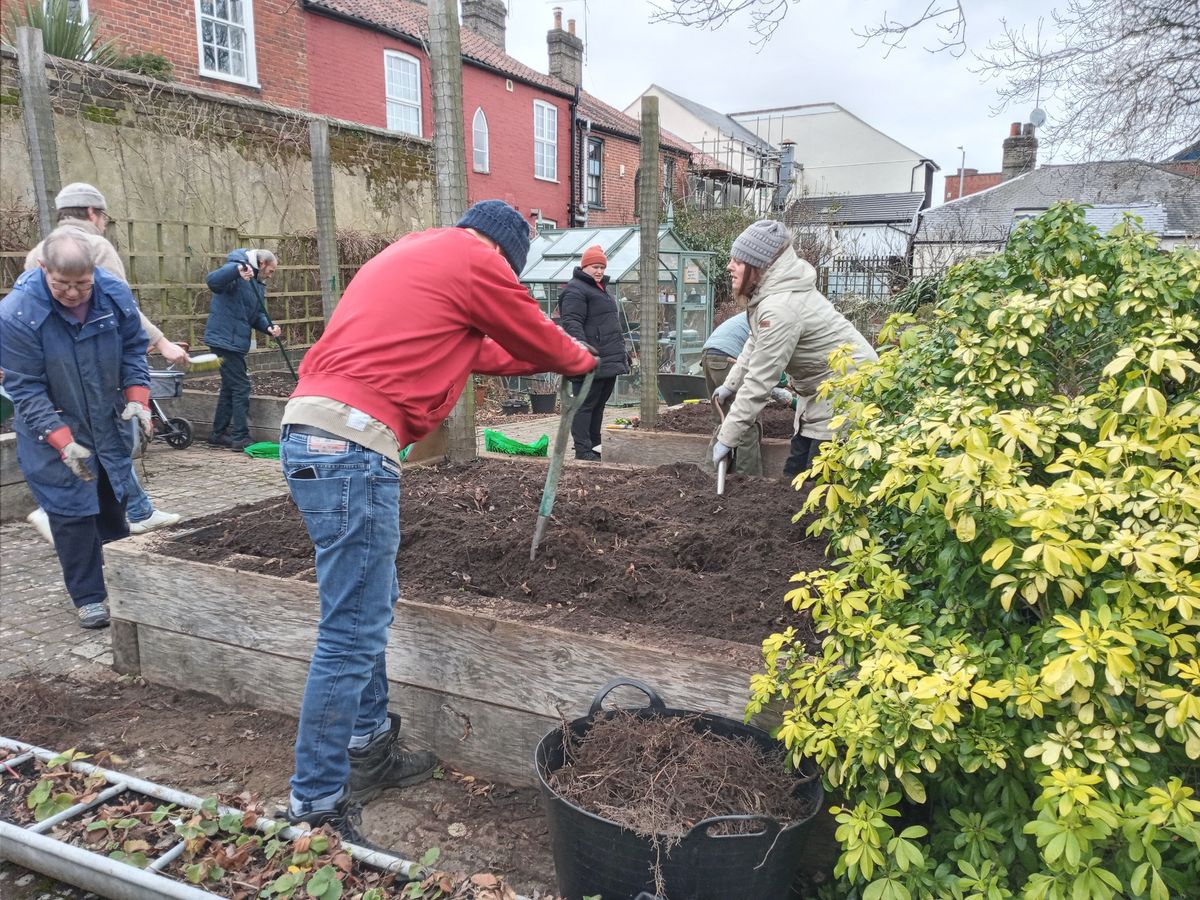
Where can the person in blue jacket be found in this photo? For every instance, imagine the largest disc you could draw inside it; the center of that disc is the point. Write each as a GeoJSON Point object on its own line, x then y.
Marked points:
{"type": "Point", "coordinates": [73, 353]}
{"type": "Point", "coordinates": [238, 305]}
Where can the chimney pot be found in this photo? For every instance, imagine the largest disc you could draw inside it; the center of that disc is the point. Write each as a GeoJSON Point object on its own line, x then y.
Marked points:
{"type": "Point", "coordinates": [1014, 129]}
{"type": "Point", "coordinates": [566, 51]}
{"type": "Point", "coordinates": [558, 18]}
{"type": "Point", "coordinates": [1019, 152]}
{"type": "Point", "coordinates": [570, 26]}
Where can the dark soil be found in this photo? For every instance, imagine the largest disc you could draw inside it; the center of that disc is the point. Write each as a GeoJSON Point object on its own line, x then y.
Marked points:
{"type": "Point", "coordinates": [262, 384]}
{"type": "Point", "coordinates": [202, 745]}
{"type": "Point", "coordinates": [697, 418]}
{"type": "Point", "coordinates": [649, 547]}
{"type": "Point", "coordinates": [659, 776]}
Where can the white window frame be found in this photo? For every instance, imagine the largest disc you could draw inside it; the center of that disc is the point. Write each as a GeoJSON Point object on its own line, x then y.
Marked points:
{"type": "Point", "coordinates": [481, 157]}
{"type": "Point", "coordinates": [389, 55]}
{"type": "Point", "coordinates": [545, 148]}
{"type": "Point", "coordinates": [251, 76]}
{"type": "Point", "coordinates": [83, 9]}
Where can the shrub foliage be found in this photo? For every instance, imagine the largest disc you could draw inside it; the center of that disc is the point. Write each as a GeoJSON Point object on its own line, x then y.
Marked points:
{"type": "Point", "coordinates": [1008, 694]}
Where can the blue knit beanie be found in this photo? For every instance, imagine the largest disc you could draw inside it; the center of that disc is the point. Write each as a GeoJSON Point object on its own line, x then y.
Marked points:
{"type": "Point", "coordinates": [502, 224]}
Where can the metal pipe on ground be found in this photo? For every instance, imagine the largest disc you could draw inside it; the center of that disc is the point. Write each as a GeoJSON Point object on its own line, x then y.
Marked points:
{"type": "Point", "coordinates": [374, 858]}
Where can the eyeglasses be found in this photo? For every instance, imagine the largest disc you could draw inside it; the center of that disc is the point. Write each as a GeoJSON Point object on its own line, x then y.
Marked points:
{"type": "Point", "coordinates": [79, 287]}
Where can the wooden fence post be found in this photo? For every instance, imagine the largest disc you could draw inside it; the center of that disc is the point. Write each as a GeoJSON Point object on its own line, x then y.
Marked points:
{"type": "Point", "coordinates": [39, 123]}
{"type": "Point", "coordinates": [327, 252]}
{"type": "Point", "coordinates": [445, 54]}
{"type": "Point", "coordinates": [649, 197]}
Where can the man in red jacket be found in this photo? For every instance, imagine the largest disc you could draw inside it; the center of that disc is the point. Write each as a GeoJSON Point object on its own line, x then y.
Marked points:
{"type": "Point", "coordinates": [413, 325]}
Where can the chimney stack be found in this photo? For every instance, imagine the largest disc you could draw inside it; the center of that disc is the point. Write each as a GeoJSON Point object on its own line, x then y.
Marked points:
{"type": "Point", "coordinates": [1020, 151]}
{"type": "Point", "coordinates": [566, 51]}
{"type": "Point", "coordinates": [486, 19]}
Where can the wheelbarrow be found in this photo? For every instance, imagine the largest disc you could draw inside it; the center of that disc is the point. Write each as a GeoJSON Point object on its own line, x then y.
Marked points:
{"type": "Point", "coordinates": [568, 406]}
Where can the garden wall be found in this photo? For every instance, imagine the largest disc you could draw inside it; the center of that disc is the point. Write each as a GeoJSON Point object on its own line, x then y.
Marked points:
{"type": "Point", "coordinates": [162, 151]}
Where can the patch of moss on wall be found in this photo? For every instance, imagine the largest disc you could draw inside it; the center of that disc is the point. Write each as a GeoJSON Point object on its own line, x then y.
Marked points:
{"type": "Point", "coordinates": [100, 114]}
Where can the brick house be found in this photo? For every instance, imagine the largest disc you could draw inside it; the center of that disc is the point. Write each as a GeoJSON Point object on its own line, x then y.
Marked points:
{"type": "Point", "coordinates": [555, 152]}
{"type": "Point", "coordinates": [252, 48]}
{"type": "Point", "coordinates": [610, 147]}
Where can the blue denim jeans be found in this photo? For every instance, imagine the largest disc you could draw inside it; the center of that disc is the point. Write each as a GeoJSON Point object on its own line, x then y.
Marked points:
{"type": "Point", "coordinates": [349, 497]}
{"type": "Point", "coordinates": [138, 507]}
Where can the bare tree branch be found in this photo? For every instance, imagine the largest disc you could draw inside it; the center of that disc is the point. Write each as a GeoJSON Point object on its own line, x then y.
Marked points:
{"type": "Point", "coordinates": [1117, 78]}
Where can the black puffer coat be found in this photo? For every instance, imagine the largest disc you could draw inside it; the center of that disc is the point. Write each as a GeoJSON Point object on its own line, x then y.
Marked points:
{"type": "Point", "coordinates": [589, 314]}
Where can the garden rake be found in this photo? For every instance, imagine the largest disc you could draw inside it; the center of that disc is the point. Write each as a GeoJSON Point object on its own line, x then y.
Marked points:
{"type": "Point", "coordinates": [568, 406]}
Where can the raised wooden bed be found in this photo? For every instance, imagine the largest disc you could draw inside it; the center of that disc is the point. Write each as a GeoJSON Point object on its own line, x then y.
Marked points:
{"type": "Point", "coordinates": [479, 690]}
{"type": "Point", "coordinates": [659, 448]}
{"type": "Point", "coordinates": [264, 417]}
{"type": "Point", "coordinates": [16, 500]}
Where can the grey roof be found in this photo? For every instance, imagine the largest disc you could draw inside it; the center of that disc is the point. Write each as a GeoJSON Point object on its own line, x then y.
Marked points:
{"type": "Point", "coordinates": [719, 121]}
{"type": "Point", "coordinates": [987, 217]}
{"type": "Point", "coordinates": [856, 209]}
{"type": "Point", "coordinates": [1190, 153]}
{"type": "Point", "coordinates": [1106, 216]}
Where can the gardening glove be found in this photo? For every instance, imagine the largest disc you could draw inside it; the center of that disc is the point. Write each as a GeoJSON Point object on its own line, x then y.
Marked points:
{"type": "Point", "coordinates": [75, 457]}
{"type": "Point", "coordinates": [134, 408]}
{"type": "Point", "coordinates": [720, 451]}
{"type": "Point", "coordinates": [782, 396]}
{"type": "Point", "coordinates": [721, 395]}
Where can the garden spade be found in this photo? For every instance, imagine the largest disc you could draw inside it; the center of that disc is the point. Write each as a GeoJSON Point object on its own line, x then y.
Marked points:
{"type": "Point", "coordinates": [567, 406]}
{"type": "Point", "coordinates": [723, 465]}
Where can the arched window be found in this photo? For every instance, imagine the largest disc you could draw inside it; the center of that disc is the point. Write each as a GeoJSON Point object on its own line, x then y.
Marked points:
{"type": "Point", "coordinates": [479, 141]}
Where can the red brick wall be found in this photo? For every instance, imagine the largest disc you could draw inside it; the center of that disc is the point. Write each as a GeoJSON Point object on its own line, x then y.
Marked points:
{"type": "Point", "coordinates": [510, 132]}
{"type": "Point", "coordinates": [973, 183]}
{"type": "Point", "coordinates": [352, 84]}
{"type": "Point", "coordinates": [617, 189]}
{"type": "Point", "coordinates": [169, 27]}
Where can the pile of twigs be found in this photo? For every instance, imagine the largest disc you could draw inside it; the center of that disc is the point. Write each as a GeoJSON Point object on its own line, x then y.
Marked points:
{"type": "Point", "coordinates": [658, 776]}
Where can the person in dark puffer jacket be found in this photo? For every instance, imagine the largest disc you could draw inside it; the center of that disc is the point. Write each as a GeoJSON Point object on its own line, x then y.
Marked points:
{"type": "Point", "coordinates": [238, 305]}
{"type": "Point", "coordinates": [589, 314]}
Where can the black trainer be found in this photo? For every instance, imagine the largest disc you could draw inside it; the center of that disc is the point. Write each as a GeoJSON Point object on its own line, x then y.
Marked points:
{"type": "Point", "coordinates": [345, 819]}
{"type": "Point", "coordinates": [384, 763]}
{"type": "Point", "coordinates": [588, 455]}
{"type": "Point", "coordinates": [219, 441]}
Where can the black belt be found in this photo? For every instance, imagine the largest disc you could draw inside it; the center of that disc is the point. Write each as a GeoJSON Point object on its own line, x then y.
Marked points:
{"type": "Point", "coordinates": [315, 432]}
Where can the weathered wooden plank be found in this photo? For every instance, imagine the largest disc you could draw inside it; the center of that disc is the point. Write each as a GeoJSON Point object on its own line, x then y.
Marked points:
{"type": "Point", "coordinates": [16, 500]}
{"type": "Point", "coordinates": [659, 448]}
{"type": "Point", "coordinates": [541, 670]}
{"type": "Point", "coordinates": [124, 637]}
{"type": "Point", "coordinates": [480, 738]}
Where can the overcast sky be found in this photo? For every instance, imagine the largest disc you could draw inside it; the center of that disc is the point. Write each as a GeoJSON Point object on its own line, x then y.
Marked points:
{"type": "Point", "coordinates": [930, 102]}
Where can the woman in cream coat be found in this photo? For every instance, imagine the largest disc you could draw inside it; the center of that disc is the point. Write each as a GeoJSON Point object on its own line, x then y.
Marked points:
{"type": "Point", "coordinates": [793, 329]}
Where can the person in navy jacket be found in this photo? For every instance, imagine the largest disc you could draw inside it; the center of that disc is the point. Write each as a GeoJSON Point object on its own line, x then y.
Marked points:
{"type": "Point", "coordinates": [238, 305]}
{"type": "Point", "coordinates": [73, 352]}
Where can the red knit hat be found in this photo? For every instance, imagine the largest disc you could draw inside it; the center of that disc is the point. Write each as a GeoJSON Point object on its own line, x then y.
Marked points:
{"type": "Point", "coordinates": [593, 255]}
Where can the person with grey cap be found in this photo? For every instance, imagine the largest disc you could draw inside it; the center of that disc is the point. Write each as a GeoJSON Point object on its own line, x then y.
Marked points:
{"type": "Point", "coordinates": [412, 326]}
{"type": "Point", "coordinates": [793, 329]}
{"type": "Point", "coordinates": [83, 213]}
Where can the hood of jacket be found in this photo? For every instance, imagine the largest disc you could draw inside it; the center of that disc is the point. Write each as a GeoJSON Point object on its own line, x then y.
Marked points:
{"type": "Point", "coordinates": [787, 274]}
{"type": "Point", "coordinates": [242, 256]}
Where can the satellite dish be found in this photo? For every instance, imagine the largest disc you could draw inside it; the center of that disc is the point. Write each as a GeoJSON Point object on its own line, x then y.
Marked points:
{"type": "Point", "coordinates": [1038, 117]}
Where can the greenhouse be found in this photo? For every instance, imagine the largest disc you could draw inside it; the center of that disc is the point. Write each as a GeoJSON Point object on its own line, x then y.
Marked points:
{"type": "Point", "coordinates": [683, 297]}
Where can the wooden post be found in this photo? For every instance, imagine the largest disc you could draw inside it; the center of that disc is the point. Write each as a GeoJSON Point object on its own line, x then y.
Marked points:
{"type": "Point", "coordinates": [327, 254]}
{"type": "Point", "coordinates": [445, 55]}
{"type": "Point", "coordinates": [39, 124]}
{"type": "Point", "coordinates": [648, 200]}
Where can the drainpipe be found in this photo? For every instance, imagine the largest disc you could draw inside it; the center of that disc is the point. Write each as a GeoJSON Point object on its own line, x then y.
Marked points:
{"type": "Point", "coordinates": [583, 152]}
{"type": "Point", "coordinates": [787, 160]}
{"type": "Point", "coordinates": [572, 203]}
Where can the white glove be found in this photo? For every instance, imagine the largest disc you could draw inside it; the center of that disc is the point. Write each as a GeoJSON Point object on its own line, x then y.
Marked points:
{"type": "Point", "coordinates": [720, 451]}
{"type": "Point", "coordinates": [781, 395]}
{"type": "Point", "coordinates": [133, 408]}
{"type": "Point", "coordinates": [722, 395]}
{"type": "Point", "coordinates": [75, 457]}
